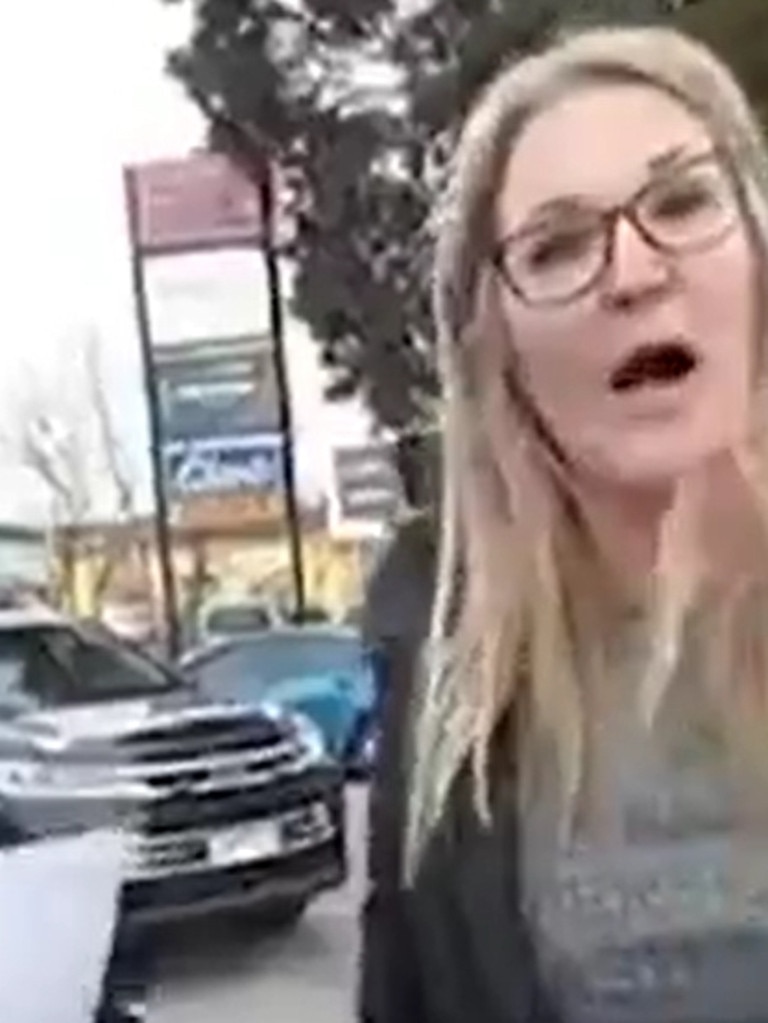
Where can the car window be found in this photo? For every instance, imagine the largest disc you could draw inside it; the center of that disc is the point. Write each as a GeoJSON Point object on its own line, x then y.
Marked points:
{"type": "Point", "coordinates": [287, 656]}
{"type": "Point", "coordinates": [53, 667]}
{"type": "Point", "coordinates": [104, 672]}
{"type": "Point", "coordinates": [30, 676]}
{"type": "Point", "coordinates": [276, 656]}
{"type": "Point", "coordinates": [49, 666]}
{"type": "Point", "coordinates": [13, 665]}
{"type": "Point", "coordinates": [228, 672]}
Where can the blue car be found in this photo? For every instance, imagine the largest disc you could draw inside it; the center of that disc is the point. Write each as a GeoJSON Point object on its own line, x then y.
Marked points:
{"type": "Point", "coordinates": [320, 671]}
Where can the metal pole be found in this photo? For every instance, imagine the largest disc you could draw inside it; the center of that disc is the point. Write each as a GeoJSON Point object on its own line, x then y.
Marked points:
{"type": "Point", "coordinates": [285, 411]}
{"type": "Point", "coordinates": [161, 516]}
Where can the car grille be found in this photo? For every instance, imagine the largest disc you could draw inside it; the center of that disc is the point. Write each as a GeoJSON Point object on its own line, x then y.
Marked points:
{"type": "Point", "coordinates": [198, 738]}
{"type": "Point", "coordinates": [193, 809]}
{"type": "Point", "coordinates": [209, 776]}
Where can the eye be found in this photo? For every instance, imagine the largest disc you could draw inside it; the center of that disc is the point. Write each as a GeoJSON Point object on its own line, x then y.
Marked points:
{"type": "Point", "coordinates": [683, 200]}
{"type": "Point", "coordinates": [690, 194]}
{"type": "Point", "coordinates": [558, 247]}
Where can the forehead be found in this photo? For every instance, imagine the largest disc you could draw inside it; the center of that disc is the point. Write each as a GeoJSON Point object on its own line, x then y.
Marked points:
{"type": "Point", "coordinates": [598, 142]}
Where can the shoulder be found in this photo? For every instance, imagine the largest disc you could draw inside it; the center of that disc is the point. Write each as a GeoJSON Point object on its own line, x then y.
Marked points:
{"type": "Point", "coordinates": [398, 594]}
{"type": "Point", "coordinates": [414, 541]}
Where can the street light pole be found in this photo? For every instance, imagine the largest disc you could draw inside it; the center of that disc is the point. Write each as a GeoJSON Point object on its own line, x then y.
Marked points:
{"type": "Point", "coordinates": [285, 410]}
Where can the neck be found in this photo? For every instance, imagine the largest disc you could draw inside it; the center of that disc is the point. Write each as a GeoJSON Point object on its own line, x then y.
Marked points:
{"type": "Point", "coordinates": [625, 524]}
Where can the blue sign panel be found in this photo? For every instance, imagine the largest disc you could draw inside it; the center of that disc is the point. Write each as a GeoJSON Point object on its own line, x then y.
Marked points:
{"type": "Point", "coordinates": [221, 465]}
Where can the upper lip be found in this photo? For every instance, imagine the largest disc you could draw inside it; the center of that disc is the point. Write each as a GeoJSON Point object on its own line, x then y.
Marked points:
{"type": "Point", "coordinates": [674, 347]}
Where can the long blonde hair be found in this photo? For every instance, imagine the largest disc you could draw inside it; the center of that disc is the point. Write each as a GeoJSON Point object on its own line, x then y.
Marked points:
{"type": "Point", "coordinates": [519, 606]}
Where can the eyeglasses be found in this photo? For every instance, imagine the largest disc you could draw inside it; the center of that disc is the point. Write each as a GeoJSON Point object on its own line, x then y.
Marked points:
{"type": "Point", "coordinates": [567, 252]}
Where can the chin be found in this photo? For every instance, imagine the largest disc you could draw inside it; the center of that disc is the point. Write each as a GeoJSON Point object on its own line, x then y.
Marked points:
{"type": "Point", "coordinates": [658, 464]}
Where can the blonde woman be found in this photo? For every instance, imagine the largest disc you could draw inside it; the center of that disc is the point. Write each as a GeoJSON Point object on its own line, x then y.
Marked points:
{"type": "Point", "coordinates": [584, 815]}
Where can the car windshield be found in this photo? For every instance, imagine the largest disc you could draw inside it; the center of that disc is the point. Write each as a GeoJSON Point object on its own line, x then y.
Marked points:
{"type": "Point", "coordinates": [12, 672]}
{"type": "Point", "coordinates": [276, 656]}
{"type": "Point", "coordinates": [51, 667]}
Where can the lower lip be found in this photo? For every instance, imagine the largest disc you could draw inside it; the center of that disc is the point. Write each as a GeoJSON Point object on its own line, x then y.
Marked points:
{"type": "Point", "coordinates": [656, 400]}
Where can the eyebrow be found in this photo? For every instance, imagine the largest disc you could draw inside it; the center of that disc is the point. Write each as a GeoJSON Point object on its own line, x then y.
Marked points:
{"type": "Point", "coordinates": [656, 165]}
{"type": "Point", "coordinates": [669, 157]}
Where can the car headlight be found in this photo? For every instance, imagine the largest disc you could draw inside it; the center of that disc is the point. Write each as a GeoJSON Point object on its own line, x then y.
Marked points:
{"type": "Point", "coordinates": [21, 773]}
{"type": "Point", "coordinates": [310, 737]}
{"type": "Point", "coordinates": [27, 775]}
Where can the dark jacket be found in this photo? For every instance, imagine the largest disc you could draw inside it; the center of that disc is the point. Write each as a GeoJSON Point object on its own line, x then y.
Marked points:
{"type": "Point", "coordinates": [398, 595]}
{"type": "Point", "coordinates": [455, 947]}
{"type": "Point", "coordinates": [395, 622]}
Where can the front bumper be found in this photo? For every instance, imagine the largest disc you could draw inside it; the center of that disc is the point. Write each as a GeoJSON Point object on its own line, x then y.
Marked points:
{"type": "Point", "coordinates": [233, 889]}
{"type": "Point", "coordinates": [291, 845]}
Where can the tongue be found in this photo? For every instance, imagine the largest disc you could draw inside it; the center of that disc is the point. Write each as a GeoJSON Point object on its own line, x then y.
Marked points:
{"type": "Point", "coordinates": [654, 366]}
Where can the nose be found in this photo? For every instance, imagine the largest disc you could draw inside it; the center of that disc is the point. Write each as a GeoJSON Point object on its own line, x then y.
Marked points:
{"type": "Point", "coordinates": [638, 271]}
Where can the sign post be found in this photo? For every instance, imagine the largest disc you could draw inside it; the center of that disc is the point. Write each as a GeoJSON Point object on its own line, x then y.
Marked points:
{"type": "Point", "coordinates": [159, 490]}
{"type": "Point", "coordinates": [277, 330]}
{"type": "Point", "coordinates": [203, 204]}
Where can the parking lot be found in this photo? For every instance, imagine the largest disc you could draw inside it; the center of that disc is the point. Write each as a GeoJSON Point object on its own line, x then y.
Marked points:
{"type": "Point", "coordinates": [221, 974]}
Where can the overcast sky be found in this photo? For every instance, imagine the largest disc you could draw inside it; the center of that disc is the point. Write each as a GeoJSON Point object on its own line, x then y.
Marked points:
{"type": "Point", "coordinates": [82, 92]}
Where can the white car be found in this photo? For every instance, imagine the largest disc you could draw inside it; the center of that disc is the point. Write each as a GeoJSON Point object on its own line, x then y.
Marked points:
{"type": "Point", "coordinates": [226, 618]}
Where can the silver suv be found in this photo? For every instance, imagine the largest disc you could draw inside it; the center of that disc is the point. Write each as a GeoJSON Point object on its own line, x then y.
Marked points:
{"type": "Point", "coordinates": [228, 807]}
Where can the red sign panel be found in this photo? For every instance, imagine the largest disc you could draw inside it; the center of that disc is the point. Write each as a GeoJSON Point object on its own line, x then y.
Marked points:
{"type": "Point", "coordinates": [202, 201]}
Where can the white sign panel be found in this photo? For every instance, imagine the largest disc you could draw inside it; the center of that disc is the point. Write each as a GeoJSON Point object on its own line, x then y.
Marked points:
{"type": "Point", "coordinates": [202, 295]}
{"type": "Point", "coordinates": [365, 494]}
{"type": "Point", "coordinates": [58, 904]}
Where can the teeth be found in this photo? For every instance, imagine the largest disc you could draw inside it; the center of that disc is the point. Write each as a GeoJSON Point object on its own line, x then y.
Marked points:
{"type": "Point", "coordinates": [653, 364]}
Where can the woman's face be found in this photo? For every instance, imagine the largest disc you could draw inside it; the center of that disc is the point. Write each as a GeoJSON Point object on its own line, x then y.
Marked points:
{"type": "Point", "coordinates": [633, 333]}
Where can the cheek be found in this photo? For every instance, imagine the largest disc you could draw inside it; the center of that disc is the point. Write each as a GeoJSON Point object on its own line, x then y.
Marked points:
{"type": "Point", "coordinates": [723, 307]}
{"type": "Point", "coordinates": [558, 359]}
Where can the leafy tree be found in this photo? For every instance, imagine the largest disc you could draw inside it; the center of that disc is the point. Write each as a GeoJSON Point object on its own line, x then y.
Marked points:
{"type": "Point", "coordinates": [358, 100]}
{"type": "Point", "coordinates": [737, 30]}
{"type": "Point", "coordinates": [297, 75]}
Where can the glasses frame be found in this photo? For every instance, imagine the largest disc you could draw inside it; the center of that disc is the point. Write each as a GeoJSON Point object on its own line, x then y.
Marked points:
{"type": "Point", "coordinates": [609, 220]}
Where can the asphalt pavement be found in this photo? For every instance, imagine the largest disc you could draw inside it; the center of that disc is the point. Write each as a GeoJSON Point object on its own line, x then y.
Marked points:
{"type": "Point", "coordinates": [219, 974]}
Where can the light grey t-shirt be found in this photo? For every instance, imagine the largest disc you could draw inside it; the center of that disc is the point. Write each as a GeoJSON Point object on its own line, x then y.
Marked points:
{"type": "Point", "coordinates": [657, 911]}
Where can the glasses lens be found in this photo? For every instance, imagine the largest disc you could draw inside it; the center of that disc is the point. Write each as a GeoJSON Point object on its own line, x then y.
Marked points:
{"type": "Point", "coordinates": [691, 208]}
{"type": "Point", "coordinates": [552, 261]}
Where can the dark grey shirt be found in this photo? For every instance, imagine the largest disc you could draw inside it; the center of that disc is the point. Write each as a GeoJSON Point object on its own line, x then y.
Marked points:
{"type": "Point", "coordinates": [655, 910]}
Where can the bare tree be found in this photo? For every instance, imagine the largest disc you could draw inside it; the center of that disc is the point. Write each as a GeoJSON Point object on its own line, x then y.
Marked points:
{"type": "Point", "coordinates": [66, 435]}
{"type": "Point", "coordinates": [120, 472]}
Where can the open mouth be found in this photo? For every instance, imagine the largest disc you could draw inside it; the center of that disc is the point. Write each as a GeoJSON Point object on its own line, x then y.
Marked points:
{"type": "Point", "coordinates": [654, 365]}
